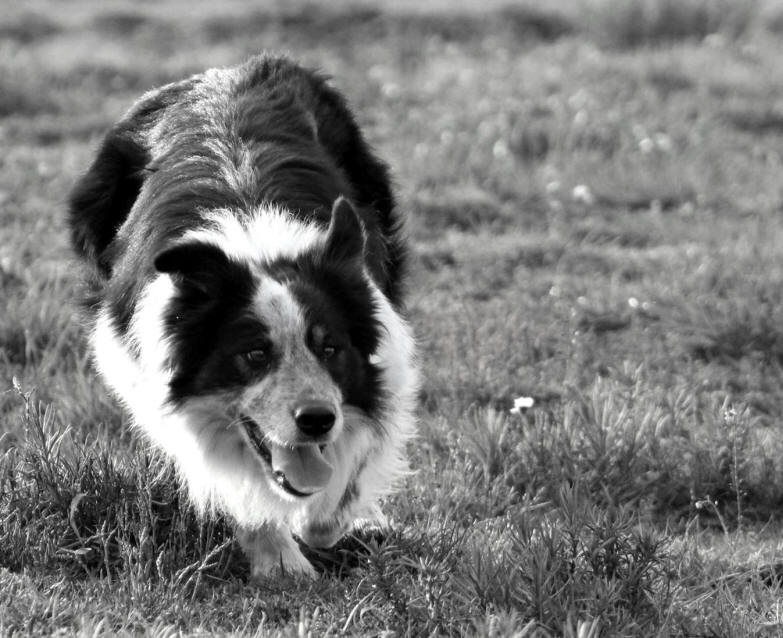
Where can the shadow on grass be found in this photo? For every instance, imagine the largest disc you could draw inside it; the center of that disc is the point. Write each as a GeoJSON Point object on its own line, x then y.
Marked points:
{"type": "Point", "coordinates": [733, 340]}
{"type": "Point", "coordinates": [348, 554]}
{"type": "Point", "coordinates": [27, 27]}
{"type": "Point", "coordinates": [120, 23]}
{"type": "Point", "coordinates": [761, 122]}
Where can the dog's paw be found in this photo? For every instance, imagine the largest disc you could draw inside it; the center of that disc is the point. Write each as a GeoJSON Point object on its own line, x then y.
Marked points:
{"type": "Point", "coordinates": [273, 552]}
{"type": "Point", "coordinates": [289, 564]}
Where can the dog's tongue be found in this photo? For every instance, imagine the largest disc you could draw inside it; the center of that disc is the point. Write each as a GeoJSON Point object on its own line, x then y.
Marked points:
{"type": "Point", "coordinates": [304, 467]}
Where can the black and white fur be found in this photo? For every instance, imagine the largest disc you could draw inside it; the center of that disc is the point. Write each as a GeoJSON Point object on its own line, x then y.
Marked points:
{"type": "Point", "coordinates": [247, 261]}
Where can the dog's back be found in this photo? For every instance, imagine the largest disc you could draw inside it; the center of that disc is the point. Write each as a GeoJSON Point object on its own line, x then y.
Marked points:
{"type": "Point", "coordinates": [267, 131]}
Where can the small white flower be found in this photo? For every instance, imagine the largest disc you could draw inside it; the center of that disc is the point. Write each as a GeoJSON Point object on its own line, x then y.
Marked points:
{"type": "Point", "coordinates": [583, 194]}
{"type": "Point", "coordinates": [522, 403]}
{"type": "Point", "coordinates": [391, 90]}
{"type": "Point", "coordinates": [500, 149]}
{"type": "Point", "coordinates": [664, 142]}
{"type": "Point", "coordinates": [715, 40]}
{"type": "Point", "coordinates": [553, 186]}
{"type": "Point", "coordinates": [646, 145]}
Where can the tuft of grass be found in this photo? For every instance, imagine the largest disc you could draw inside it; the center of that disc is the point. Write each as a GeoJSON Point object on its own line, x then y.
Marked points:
{"type": "Point", "coordinates": [628, 444]}
{"type": "Point", "coordinates": [578, 562]}
{"type": "Point", "coordinates": [32, 332]}
{"type": "Point", "coordinates": [74, 507]}
{"type": "Point", "coordinates": [461, 207]}
{"type": "Point", "coordinates": [723, 327]}
{"type": "Point", "coordinates": [735, 331]}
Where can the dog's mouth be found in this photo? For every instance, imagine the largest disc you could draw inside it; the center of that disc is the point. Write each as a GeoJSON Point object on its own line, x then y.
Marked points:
{"type": "Point", "coordinates": [299, 471]}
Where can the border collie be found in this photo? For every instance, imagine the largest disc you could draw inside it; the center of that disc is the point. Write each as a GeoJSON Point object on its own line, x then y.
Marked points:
{"type": "Point", "coordinates": [246, 260]}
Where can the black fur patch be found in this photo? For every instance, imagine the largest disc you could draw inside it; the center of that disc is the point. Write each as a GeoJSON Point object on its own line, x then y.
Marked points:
{"type": "Point", "coordinates": [209, 324]}
{"type": "Point", "coordinates": [102, 199]}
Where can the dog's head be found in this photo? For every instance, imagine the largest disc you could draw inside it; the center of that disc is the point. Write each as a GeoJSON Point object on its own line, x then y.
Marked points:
{"type": "Point", "coordinates": [282, 343]}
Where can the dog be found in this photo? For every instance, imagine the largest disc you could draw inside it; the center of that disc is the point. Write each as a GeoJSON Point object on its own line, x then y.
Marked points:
{"type": "Point", "coordinates": [246, 264]}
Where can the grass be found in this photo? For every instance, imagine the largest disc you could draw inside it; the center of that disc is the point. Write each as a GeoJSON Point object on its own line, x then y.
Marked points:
{"type": "Point", "coordinates": [594, 190]}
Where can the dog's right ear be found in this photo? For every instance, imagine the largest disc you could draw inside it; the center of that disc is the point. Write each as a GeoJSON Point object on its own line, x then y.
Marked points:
{"type": "Point", "coordinates": [203, 268]}
{"type": "Point", "coordinates": [345, 237]}
{"type": "Point", "coordinates": [100, 201]}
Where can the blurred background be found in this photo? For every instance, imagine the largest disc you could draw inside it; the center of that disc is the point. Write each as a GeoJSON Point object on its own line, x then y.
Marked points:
{"type": "Point", "coordinates": [595, 193]}
{"type": "Point", "coordinates": [559, 160]}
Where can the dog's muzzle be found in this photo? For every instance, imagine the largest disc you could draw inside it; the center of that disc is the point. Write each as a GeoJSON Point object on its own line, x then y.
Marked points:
{"type": "Point", "coordinates": [299, 471]}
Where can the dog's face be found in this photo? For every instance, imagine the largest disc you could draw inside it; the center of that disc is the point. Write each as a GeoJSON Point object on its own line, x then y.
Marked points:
{"type": "Point", "coordinates": [283, 345]}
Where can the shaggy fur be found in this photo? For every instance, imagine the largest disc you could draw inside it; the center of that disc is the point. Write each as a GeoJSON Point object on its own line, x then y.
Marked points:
{"type": "Point", "coordinates": [247, 264]}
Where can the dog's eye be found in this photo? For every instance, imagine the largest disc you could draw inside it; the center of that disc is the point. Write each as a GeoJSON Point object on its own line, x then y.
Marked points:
{"type": "Point", "coordinates": [257, 358]}
{"type": "Point", "coordinates": [329, 351]}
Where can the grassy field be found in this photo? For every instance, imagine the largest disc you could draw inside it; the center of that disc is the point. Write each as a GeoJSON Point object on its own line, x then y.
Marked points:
{"type": "Point", "coordinates": [595, 190]}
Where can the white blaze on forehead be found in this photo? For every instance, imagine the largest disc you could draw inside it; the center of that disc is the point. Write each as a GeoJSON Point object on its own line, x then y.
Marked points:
{"type": "Point", "coordinates": [264, 235]}
{"type": "Point", "coordinates": [281, 313]}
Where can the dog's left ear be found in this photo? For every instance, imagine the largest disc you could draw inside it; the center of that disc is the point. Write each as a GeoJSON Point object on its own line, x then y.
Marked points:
{"type": "Point", "coordinates": [200, 267]}
{"type": "Point", "coordinates": [345, 239]}
{"type": "Point", "coordinates": [103, 197]}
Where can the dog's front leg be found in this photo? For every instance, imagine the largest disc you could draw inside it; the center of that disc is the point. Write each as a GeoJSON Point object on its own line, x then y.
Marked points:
{"type": "Point", "coordinates": [271, 548]}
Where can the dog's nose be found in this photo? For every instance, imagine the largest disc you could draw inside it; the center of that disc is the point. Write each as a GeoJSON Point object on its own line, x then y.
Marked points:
{"type": "Point", "coordinates": [314, 418]}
